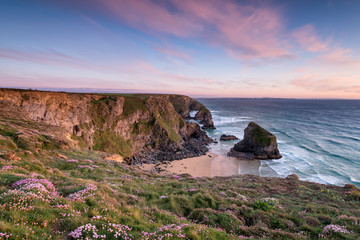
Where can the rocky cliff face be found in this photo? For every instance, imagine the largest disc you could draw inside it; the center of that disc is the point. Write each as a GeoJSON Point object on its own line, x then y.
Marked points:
{"type": "Point", "coordinates": [258, 143]}
{"type": "Point", "coordinates": [138, 127]}
{"type": "Point", "coordinates": [184, 105]}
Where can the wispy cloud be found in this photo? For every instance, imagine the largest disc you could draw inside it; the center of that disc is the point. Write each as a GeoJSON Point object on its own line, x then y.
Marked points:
{"type": "Point", "coordinates": [342, 57]}
{"type": "Point", "coordinates": [249, 30]}
{"type": "Point", "coordinates": [309, 40]}
{"type": "Point", "coordinates": [45, 57]}
{"type": "Point", "coordinates": [174, 53]}
{"type": "Point", "coordinates": [327, 83]}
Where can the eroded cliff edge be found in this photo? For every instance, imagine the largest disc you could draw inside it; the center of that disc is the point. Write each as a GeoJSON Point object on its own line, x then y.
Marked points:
{"type": "Point", "coordinates": [138, 127]}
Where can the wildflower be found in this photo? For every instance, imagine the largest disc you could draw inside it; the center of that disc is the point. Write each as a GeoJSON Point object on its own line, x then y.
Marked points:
{"type": "Point", "coordinates": [40, 185]}
{"type": "Point", "coordinates": [330, 229]}
{"type": "Point", "coordinates": [72, 161]}
{"type": "Point", "coordinates": [191, 190]}
{"type": "Point", "coordinates": [80, 195]}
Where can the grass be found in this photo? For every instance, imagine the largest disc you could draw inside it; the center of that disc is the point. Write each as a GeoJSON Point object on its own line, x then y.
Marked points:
{"type": "Point", "coordinates": [133, 104]}
{"type": "Point", "coordinates": [59, 192]}
{"type": "Point", "coordinates": [262, 137]}
{"type": "Point", "coordinates": [197, 208]}
{"type": "Point", "coordinates": [109, 142]}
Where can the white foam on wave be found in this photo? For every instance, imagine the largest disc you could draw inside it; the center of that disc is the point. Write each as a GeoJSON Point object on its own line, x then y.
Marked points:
{"type": "Point", "coordinates": [193, 113]}
{"type": "Point", "coordinates": [280, 167]}
{"type": "Point", "coordinates": [328, 179]}
{"type": "Point", "coordinates": [354, 179]}
{"type": "Point", "coordinates": [226, 120]}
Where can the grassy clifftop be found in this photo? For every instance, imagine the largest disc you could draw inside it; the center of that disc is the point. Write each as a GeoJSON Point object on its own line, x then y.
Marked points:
{"type": "Point", "coordinates": [49, 190]}
{"type": "Point", "coordinates": [48, 197]}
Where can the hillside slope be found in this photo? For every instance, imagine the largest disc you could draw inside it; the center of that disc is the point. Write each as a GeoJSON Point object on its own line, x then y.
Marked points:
{"type": "Point", "coordinates": [138, 127]}
{"type": "Point", "coordinates": [50, 188]}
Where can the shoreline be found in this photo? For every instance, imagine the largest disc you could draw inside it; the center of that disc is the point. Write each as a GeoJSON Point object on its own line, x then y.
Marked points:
{"type": "Point", "coordinates": [208, 165]}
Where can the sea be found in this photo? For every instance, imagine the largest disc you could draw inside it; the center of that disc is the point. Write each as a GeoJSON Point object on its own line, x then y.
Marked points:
{"type": "Point", "coordinates": [318, 139]}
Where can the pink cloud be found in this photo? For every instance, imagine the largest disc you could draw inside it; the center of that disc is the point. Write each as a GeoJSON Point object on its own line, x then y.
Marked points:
{"type": "Point", "coordinates": [321, 83]}
{"type": "Point", "coordinates": [152, 16]}
{"type": "Point", "coordinates": [308, 39]}
{"type": "Point", "coordinates": [252, 31]}
{"type": "Point", "coordinates": [49, 56]}
{"type": "Point", "coordinates": [174, 53]}
{"type": "Point", "coordinates": [340, 57]}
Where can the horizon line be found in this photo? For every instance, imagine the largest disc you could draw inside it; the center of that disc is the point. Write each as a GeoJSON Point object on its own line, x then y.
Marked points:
{"type": "Point", "coordinates": [136, 91]}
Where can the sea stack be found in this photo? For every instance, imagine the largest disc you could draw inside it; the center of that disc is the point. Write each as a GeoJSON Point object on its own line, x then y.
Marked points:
{"type": "Point", "coordinates": [258, 143]}
{"type": "Point", "coordinates": [225, 137]}
{"type": "Point", "coordinates": [205, 117]}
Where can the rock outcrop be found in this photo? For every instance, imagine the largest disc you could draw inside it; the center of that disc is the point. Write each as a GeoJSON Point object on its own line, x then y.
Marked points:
{"type": "Point", "coordinates": [184, 105]}
{"type": "Point", "coordinates": [258, 143]}
{"type": "Point", "coordinates": [205, 117]}
{"type": "Point", "coordinates": [207, 124]}
{"type": "Point", "coordinates": [137, 127]}
{"type": "Point", "coordinates": [225, 137]}
{"type": "Point", "coordinates": [203, 114]}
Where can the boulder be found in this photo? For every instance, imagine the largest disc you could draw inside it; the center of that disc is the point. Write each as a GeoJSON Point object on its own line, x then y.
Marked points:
{"type": "Point", "coordinates": [203, 114]}
{"type": "Point", "coordinates": [207, 124]}
{"type": "Point", "coordinates": [114, 157]}
{"type": "Point", "coordinates": [225, 137]}
{"type": "Point", "coordinates": [258, 143]}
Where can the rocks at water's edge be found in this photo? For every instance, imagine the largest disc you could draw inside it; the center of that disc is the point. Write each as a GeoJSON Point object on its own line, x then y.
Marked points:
{"type": "Point", "coordinates": [205, 117]}
{"type": "Point", "coordinates": [184, 105]}
{"type": "Point", "coordinates": [203, 114]}
{"type": "Point", "coordinates": [258, 143]}
{"type": "Point", "coordinates": [207, 124]}
{"type": "Point", "coordinates": [225, 137]}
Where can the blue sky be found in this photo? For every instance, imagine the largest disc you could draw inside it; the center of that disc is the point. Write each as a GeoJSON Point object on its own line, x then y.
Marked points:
{"type": "Point", "coordinates": [300, 49]}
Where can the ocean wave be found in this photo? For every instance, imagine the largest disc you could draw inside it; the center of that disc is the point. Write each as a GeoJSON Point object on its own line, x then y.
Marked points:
{"type": "Point", "coordinates": [316, 142]}
{"type": "Point", "coordinates": [354, 179]}
{"type": "Point", "coordinates": [327, 179]}
{"type": "Point", "coordinates": [220, 121]}
{"type": "Point", "coordinates": [350, 138]}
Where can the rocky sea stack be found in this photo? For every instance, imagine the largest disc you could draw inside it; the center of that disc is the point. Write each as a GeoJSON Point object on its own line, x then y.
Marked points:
{"type": "Point", "coordinates": [258, 143]}
{"type": "Point", "coordinates": [225, 137]}
{"type": "Point", "coordinates": [205, 117]}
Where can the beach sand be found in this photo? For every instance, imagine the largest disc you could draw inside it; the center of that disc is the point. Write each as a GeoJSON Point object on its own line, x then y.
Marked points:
{"type": "Point", "coordinates": [209, 165]}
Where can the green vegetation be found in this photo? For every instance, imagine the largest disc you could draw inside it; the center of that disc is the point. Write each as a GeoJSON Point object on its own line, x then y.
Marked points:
{"type": "Point", "coordinates": [44, 196]}
{"type": "Point", "coordinates": [133, 104]}
{"type": "Point", "coordinates": [56, 197]}
{"type": "Point", "coordinates": [50, 190]}
{"type": "Point", "coordinates": [265, 206]}
{"type": "Point", "coordinates": [262, 137]}
{"type": "Point", "coordinates": [106, 100]}
{"type": "Point", "coordinates": [182, 104]}
{"type": "Point", "coordinates": [175, 137]}
{"type": "Point", "coordinates": [109, 142]}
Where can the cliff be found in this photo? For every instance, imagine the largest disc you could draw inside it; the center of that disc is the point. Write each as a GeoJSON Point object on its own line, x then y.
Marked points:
{"type": "Point", "coordinates": [137, 127]}
{"type": "Point", "coordinates": [258, 143]}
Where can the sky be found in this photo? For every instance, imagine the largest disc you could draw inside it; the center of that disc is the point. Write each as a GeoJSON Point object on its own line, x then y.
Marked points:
{"type": "Point", "coordinates": [201, 48]}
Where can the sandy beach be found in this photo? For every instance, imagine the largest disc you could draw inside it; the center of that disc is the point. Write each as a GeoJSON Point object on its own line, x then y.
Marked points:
{"type": "Point", "coordinates": [209, 165]}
